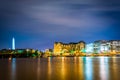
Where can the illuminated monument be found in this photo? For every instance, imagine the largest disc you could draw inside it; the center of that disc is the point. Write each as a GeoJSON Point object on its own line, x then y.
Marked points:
{"type": "Point", "coordinates": [13, 43]}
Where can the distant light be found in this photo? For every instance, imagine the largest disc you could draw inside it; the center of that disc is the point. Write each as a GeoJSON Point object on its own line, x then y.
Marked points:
{"type": "Point", "coordinates": [13, 43]}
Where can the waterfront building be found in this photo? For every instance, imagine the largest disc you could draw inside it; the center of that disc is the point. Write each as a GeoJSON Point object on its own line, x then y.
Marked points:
{"type": "Point", "coordinates": [101, 46]}
{"type": "Point", "coordinates": [68, 48]}
{"type": "Point", "coordinates": [50, 51]}
{"type": "Point", "coordinates": [114, 46]}
{"type": "Point", "coordinates": [89, 48]}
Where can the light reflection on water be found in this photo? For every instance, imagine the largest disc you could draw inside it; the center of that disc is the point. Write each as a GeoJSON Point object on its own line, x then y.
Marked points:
{"type": "Point", "coordinates": [80, 68]}
{"type": "Point", "coordinates": [38, 69]}
{"type": "Point", "coordinates": [88, 68]}
{"type": "Point", "coordinates": [13, 69]}
{"type": "Point", "coordinates": [49, 67]}
{"type": "Point", "coordinates": [61, 68]}
{"type": "Point", "coordinates": [104, 68]}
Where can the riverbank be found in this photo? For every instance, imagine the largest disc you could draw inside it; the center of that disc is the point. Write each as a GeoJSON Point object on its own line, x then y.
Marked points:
{"type": "Point", "coordinates": [45, 56]}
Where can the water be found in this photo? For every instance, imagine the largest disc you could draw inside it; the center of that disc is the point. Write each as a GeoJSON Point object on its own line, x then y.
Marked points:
{"type": "Point", "coordinates": [60, 68]}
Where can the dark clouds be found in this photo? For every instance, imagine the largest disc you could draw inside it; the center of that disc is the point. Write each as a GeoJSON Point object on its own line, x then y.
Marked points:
{"type": "Point", "coordinates": [38, 23]}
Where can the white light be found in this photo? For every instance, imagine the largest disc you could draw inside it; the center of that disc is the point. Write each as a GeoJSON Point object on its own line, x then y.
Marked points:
{"type": "Point", "coordinates": [89, 48]}
{"type": "Point", "coordinates": [13, 43]}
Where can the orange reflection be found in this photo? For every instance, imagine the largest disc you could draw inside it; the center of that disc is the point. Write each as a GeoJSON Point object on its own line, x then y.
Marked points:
{"type": "Point", "coordinates": [38, 69]}
{"type": "Point", "coordinates": [49, 67]}
{"type": "Point", "coordinates": [80, 69]}
{"type": "Point", "coordinates": [63, 68]}
{"type": "Point", "coordinates": [75, 59]}
{"type": "Point", "coordinates": [116, 68]}
{"type": "Point", "coordinates": [75, 67]}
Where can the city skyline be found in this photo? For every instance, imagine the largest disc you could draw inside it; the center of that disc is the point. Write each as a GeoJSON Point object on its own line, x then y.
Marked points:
{"type": "Point", "coordinates": [87, 45]}
{"type": "Point", "coordinates": [38, 24]}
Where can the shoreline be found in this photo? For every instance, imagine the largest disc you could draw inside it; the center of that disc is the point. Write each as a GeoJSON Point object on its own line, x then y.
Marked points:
{"type": "Point", "coordinates": [58, 56]}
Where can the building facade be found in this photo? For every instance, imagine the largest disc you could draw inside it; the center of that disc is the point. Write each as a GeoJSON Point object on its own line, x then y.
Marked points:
{"type": "Point", "coordinates": [70, 48]}
{"type": "Point", "coordinates": [89, 48]}
{"type": "Point", "coordinates": [114, 46]}
{"type": "Point", "coordinates": [103, 46]}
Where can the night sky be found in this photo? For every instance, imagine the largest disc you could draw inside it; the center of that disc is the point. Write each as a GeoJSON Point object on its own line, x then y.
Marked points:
{"type": "Point", "coordinates": [38, 24]}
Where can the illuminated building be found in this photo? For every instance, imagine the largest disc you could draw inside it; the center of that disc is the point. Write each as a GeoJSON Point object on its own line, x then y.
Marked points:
{"type": "Point", "coordinates": [71, 48]}
{"type": "Point", "coordinates": [101, 46]}
{"type": "Point", "coordinates": [49, 51]}
{"type": "Point", "coordinates": [13, 43]}
{"type": "Point", "coordinates": [114, 46]}
{"type": "Point", "coordinates": [89, 48]}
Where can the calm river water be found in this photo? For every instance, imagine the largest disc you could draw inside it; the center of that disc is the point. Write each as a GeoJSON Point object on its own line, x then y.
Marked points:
{"type": "Point", "coordinates": [60, 68]}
